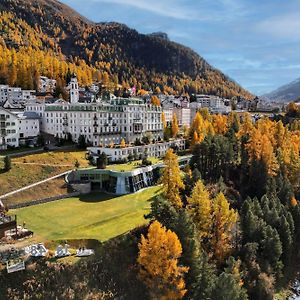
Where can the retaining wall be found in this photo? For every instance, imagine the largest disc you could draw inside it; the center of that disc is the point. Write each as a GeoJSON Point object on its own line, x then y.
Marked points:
{"type": "Point", "coordinates": [41, 201]}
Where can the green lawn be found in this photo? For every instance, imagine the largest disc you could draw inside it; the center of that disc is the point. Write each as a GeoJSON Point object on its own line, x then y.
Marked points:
{"type": "Point", "coordinates": [96, 216]}
{"type": "Point", "coordinates": [131, 165]}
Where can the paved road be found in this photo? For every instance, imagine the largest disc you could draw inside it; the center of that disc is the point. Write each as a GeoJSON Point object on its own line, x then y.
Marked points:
{"type": "Point", "coordinates": [33, 185]}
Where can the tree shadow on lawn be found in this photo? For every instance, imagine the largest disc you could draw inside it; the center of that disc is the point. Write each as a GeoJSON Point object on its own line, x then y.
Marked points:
{"type": "Point", "coordinates": [97, 197]}
{"type": "Point", "coordinates": [101, 196]}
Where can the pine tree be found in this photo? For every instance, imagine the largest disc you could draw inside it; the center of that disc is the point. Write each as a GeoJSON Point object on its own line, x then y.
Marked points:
{"type": "Point", "coordinates": [164, 212]}
{"type": "Point", "coordinates": [271, 246]}
{"type": "Point", "coordinates": [158, 257]}
{"type": "Point", "coordinates": [286, 239]}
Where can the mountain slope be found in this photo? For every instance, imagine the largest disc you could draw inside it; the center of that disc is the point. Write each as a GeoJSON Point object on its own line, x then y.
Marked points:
{"type": "Point", "coordinates": [105, 51]}
{"type": "Point", "coordinates": [287, 93]}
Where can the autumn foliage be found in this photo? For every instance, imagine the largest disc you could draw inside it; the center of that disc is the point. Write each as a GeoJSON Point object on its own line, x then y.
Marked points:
{"type": "Point", "coordinates": [159, 267]}
{"type": "Point", "coordinates": [171, 179]}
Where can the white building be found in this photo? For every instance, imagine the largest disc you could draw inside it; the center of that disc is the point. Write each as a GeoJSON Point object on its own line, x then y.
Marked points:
{"type": "Point", "coordinates": [183, 116]}
{"type": "Point", "coordinates": [18, 128]}
{"type": "Point", "coordinates": [101, 123]}
{"type": "Point", "coordinates": [15, 95]}
{"type": "Point", "coordinates": [9, 133]}
{"type": "Point", "coordinates": [215, 104]}
{"type": "Point", "coordinates": [151, 150]}
{"type": "Point", "coordinates": [46, 85]}
{"type": "Point", "coordinates": [168, 112]}
{"type": "Point", "coordinates": [29, 127]}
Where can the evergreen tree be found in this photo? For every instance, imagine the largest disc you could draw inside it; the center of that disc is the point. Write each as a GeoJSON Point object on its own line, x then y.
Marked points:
{"type": "Point", "coordinates": [81, 142]}
{"type": "Point", "coordinates": [227, 288]}
{"type": "Point", "coordinates": [286, 239]}
{"type": "Point", "coordinates": [102, 161]}
{"type": "Point", "coordinates": [271, 248]}
{"type": "Point", "coordinates": [164, 212]}
{"type": "Point", "coordinates": [7, 163]}
{"type": "Point", "coordinates": [258, 179]}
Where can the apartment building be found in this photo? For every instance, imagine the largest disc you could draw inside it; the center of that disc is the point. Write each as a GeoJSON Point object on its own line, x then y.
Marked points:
{"type": "Point", "coordinates": [15, 95]}
{"type": "Point", "coordinates": [18, 128]}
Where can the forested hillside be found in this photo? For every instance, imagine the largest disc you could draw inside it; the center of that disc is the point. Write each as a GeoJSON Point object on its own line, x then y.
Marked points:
{"type": "Point", "coordinates": [49, 38]}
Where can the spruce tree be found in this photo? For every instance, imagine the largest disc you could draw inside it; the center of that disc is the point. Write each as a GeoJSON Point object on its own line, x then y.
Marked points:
{"type": "Point", "coordinates": [227, 288]}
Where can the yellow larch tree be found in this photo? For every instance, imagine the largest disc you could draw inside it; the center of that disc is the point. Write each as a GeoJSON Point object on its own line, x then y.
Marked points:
{"type": "Point", "coordinates": [219, 123]}
{"type": "Point", "coordinates": [171, 179]}
{"type": "Point", "coordinates": [267, 127]}
{"type": "Point", "coordinates": [198, 123]}
{"type": "Point", "coordinates": [247, 125]}
{"type": "Point", "coordinates": [163, 119]}
{"type": "Point", "coordinates": [158, 257]}
{"type": "Point", "coordinates": [254, 145]}
{"type": "Point", "coordinates": [279, 134]}
{"type": "Point", "coordinates": [155, 100]}
{"type": "Point", "coordinates": [200, 208]}
{"type": "Point", "coordinates": [268, 155]}
{"type": "Point", "coordinates": [175, 127]}
{"type": "Point", "coordinates": [260, 147]}
{"type": "Point", "coordinates": [123, 143]}
{"type": "Point", "coordinates": [195, 139]}
{"type": "Point", "coordinates": [224, 223]}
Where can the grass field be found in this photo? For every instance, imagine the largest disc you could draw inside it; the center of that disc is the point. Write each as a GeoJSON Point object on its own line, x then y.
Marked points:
{"type": "Point", "coordinates": [95, 216]}
{"type": "Point", "coordinates": [55, 158]}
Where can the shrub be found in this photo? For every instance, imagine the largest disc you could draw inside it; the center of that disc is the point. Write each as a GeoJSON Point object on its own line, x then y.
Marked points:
{"type": "Point", "coordinates": [7, 163]}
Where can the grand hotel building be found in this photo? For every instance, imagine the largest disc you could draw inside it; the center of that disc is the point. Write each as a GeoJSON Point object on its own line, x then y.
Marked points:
{"type": "Point", "coordinates": [102, 122]}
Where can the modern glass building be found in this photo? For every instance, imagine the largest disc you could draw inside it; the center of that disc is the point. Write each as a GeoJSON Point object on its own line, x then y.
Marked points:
{"type": "Point", "coordinates": [116, 182]}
